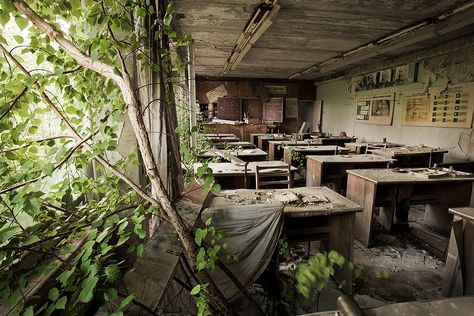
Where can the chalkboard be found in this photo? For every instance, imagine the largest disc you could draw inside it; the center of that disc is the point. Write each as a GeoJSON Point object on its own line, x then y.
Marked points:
{"type": "Point", "coordinates": [228, 109]}
{"type": "Point", "coordinates": [273, 110]}
{"type": "Point", "coordinates": [253, 108]}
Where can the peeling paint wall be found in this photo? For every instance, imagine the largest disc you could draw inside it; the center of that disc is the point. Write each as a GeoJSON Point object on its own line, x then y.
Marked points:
{"type": "Point", "coordinates": [450, 62]}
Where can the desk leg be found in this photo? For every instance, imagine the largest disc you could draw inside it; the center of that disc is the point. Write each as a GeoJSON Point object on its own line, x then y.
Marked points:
{"type": "Point", "coordinates": [341, 239]}
{"type": "Point", "coordinates": [314, 173]}
{"type": "Point", "coordinates": [456, 195]}
{"type": "Point", "coordinates": [437, 217]}
{"type": "Point", "coordinates": [468, 258]}
{"type": "Point", "coordinates": [271, 151]}
{"type": "Point", "coordinates": [363, 193]}
{"type": "Point", "coordinates": [386, 217]}
{"type": "Point", "coordinates": [453, 275]}
{"type": "Point", "coordinates": [459, 270]}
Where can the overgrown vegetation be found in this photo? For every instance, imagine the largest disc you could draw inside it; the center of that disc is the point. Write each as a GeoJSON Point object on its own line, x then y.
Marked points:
{"type": "Point", "coordinates": [70, 197]}
{"type": "Point", "coordinates": [69, 193]}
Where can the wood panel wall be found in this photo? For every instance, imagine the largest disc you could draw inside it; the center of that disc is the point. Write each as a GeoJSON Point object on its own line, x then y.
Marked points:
{"type": "Point", "coordinates": [254, 95]}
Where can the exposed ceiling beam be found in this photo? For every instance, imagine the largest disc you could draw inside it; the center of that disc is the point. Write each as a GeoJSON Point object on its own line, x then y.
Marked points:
{"type": "Point", "coordinates": [451, 21]}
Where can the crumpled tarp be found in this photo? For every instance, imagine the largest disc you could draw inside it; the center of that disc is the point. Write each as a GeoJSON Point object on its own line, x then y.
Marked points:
{"type": "Point", "coordinates": [252, 233]}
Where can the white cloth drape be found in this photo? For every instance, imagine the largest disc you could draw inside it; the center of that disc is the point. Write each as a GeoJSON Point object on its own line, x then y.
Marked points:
{"type": "Point", "coordinates": [252, 233]}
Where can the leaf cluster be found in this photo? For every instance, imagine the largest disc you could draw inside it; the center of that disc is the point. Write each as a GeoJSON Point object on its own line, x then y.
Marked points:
{"type": "Point", "coordinates": [62, 217]}
{"type": "Point", "coordinates": [211, 242]}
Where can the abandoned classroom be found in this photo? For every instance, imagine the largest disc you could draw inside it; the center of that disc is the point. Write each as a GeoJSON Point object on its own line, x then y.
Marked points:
{"type": "Point", "coordinates": [251, 157]}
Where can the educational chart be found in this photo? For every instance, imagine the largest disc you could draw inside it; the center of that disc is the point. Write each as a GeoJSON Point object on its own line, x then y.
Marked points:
{"type": "Point", "coordinates": [376, 109]}
{"type": "Point", "coordinates": [452, 107]}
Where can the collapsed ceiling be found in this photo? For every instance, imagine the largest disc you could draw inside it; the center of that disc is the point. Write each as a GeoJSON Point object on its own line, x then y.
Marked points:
{"type": "Point", "coordinates": [316, 39]}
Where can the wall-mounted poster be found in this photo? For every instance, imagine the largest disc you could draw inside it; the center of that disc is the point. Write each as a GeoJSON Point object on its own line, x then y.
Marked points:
{"type": "Point", "coordinates": [275, 89]}
{"type": "Point", "coordinates": [406, 74]}
{"type": "Point", "coordinates": [400, 75]}
{"type": "Point", "coordinates": [452, 107]}
{"type": "Point", "coordinates": [385, 78]}
{"type": "Point", "coordinates": [214, 94]}
{"type": "Point", "coordinates": [376, 109]}
{"type": "Point", "coordinates": [363, 110]}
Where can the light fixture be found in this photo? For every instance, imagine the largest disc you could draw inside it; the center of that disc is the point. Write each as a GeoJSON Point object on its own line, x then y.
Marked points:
{"type": "Point", "coordinates": [261, 20]}
{"type": "Point", "coordinates": [456, 19]}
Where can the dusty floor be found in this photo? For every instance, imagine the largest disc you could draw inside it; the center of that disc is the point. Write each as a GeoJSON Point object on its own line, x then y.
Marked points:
{"type": "Point", "coordinates": [398, 268]}
{"type": "Point", "coordinates": [415, 273]}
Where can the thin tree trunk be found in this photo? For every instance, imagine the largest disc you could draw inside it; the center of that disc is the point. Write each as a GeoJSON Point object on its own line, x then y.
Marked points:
{"type": "Point", "coordinates": [131, 98]}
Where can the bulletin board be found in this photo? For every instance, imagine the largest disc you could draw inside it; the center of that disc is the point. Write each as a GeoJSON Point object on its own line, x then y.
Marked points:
{"type": "Point", "coordinates": [273, 110]}
{"type": "Point", "coordinates": [228, 109]}
{"type": "Point", "coordinates": [452, 107]}
{"type": "Point", "coordinates": [375, 109]}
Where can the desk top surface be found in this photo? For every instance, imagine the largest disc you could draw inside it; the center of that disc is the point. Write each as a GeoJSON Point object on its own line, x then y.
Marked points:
{"type": "Point", "coordinates": [348, 138]}
{"type": "Point", "coordinates": [299, 202]}
{"type": "Point", "coordinates": [294, 142]}
{"type": "Point", "coordinates": [219, 135]}
{"type": "Point", "coordinates": [374, 144]}
{"type": "Point", "coordinates": [350, 159]}
{"type": "Point", "coordinates": [408, 150]}
{"type": "Point", "coordinates": [234, 144]}
{"type": "Point", "coordinates": [249, 152]}
{"type": "Point", "coordinates": [316, 148]}
{"type": "Point", "coordinates": [387, 176]}
{"type": "Point", "coordinates": [273, 136]}
{"type": "Point", "coordinates": [223, 138]}
{"type": "Point", "coordinates": [229, 168]}
{"type": "Point", "coordinates": [464, 212]}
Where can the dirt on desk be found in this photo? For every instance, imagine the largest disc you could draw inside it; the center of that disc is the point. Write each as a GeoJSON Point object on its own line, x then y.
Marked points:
{"type": "Point", "coordinates": [410, 149]}
{"type": "Point", "coordinates": [272, 196]}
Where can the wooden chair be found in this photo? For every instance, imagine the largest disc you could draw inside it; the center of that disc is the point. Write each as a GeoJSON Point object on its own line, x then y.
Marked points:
{"type": "Point", "coordinates": [271, 177]}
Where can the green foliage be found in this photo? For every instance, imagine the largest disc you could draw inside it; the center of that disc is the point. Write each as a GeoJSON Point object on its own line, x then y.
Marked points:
{"type": "Point", "coordinates": [283, 249]}
{"type": "Point", "coordinates": [200, 296]}
{"type": "Point", "coordinates": [189, 154]}
{"type": "Point", "coordinates": [297, 158]}
{"type": "Point", "coordinates": [205, 173]}
{"type": "Point", "coordinates": [317, 272]}
{"type": "Point", "coordinates": [55, 202]}
{"type": "Point", "coordinates": [211, 242]}
{"type": "Point", "coordinates": [315, 275]}
{"type": "Point", "coordinates": [382, 274]}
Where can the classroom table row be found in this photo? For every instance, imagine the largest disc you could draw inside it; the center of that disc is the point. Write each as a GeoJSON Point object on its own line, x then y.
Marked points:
{"type": "Point", "coordinates": [368, 181]}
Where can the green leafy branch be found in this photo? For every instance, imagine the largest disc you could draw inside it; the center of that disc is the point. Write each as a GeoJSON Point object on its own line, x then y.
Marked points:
{"type": "Point", "coordinates": [314, 275]}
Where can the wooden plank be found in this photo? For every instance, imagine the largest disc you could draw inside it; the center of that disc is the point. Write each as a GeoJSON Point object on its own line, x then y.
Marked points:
{"type": "Point", "coordinates": [463, 212]}
{"type": "Point", "coordinates": [341, 239]}
{"type": "Point", "coordinates": [453, 275]}
{"type": "Point", "coordinates": [363, 193]}
{"type": "Point", "coordinates": [314, 173]}
{"type": "Point", "coordinates": [468, 257]}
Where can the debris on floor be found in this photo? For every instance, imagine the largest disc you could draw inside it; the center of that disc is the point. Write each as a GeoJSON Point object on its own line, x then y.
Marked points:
{"type": "Point", "coordinates": [399, 267]}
